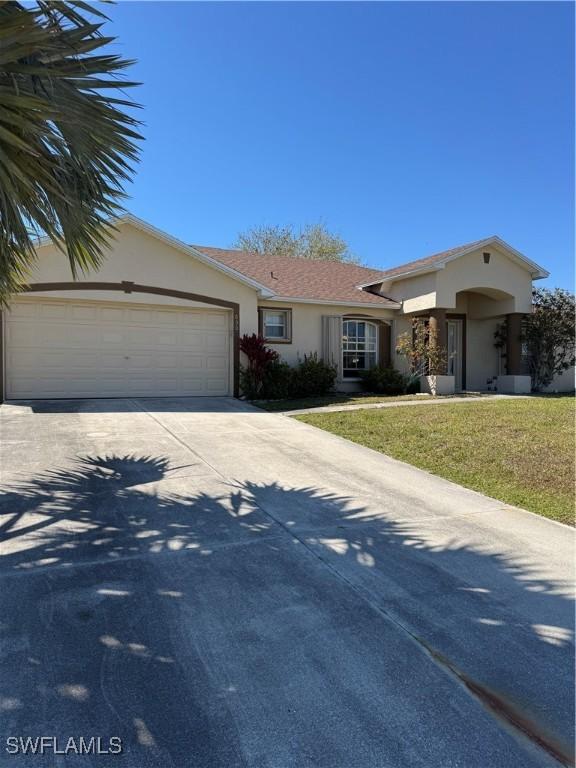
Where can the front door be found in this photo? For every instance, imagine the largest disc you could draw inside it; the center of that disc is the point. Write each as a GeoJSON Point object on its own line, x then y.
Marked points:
{"type": "Point", "coordinates": [454, 343]}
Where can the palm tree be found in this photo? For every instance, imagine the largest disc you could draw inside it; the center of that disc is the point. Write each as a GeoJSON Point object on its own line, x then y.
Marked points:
{"type": "Point", "coordinates": [67, 141]}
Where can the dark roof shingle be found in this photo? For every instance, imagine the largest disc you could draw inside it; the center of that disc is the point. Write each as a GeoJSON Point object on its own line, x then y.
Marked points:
{"type": "Point", "coordinates": [303, 278]}
{"type": "Point", "coordinates": [324, 280]}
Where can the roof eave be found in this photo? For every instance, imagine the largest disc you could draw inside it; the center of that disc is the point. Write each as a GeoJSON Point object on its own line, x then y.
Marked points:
{"type": "Point", "coordinates": [537, 272]}
{"type": "Point", "coordinates": [401, 275]}
{"type": "Point", "coordinates": [387, 304]}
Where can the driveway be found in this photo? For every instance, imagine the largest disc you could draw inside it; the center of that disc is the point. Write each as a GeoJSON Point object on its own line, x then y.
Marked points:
{"type": "Point", "coordinates": [219, 586]}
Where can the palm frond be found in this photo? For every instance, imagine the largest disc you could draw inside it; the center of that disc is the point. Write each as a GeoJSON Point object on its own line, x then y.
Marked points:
{"type": "Point", "coordinates": [67, 143]}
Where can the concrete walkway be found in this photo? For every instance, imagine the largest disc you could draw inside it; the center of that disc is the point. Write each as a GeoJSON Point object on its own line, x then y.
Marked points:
{"type": "Point", "coordinates": [226, 588]}
{"type": "Point", "coordinates": [425, 400]}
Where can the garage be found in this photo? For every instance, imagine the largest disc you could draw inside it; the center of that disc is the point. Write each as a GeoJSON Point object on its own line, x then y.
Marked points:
{"type": "Point", "coordinates": [74, 349]}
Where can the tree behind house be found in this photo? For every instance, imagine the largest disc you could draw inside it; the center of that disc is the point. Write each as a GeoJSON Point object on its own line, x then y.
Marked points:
{"type": "Point", "coordinates": [313, 241]}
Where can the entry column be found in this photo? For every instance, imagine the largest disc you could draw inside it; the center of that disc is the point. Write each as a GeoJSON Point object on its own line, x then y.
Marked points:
{"type": "Point", "coordinates": [515, 380]}
{"type": "Point", "coordinates": [437, 325]}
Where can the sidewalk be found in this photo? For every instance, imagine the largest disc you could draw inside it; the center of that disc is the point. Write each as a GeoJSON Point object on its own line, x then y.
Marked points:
{"type": "Point", "coordinates": [400, 404]}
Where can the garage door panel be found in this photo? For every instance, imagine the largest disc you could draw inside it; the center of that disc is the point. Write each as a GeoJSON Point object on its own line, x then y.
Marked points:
{"type": "Point", "coordinates": [84, 313]}
{"type": "Point", "coordinates": [215, 321]}
{"type": "Point", "coordinates": [110, 337]}
{"type": "Point", "coordinates": [22, 311]}
{"type": "Point", "coordinates": [215, 387]}
{"type": "Point", "coordinates": [21, 335]}
{"type": "Point", "coordinates": [76, 349]}
{"type": "Point", "coordinates": [43, 361]}
{"type": "Point", "coordinates": [215, 364]}
{"type": "Point", "coordinates": [167, 338]}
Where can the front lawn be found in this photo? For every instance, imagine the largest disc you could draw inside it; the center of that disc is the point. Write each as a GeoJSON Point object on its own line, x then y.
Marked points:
{"type": "Point", "coordinates": [518, 451]}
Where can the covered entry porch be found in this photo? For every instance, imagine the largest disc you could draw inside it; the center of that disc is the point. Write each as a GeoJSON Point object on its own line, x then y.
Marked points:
{"type": "Point", "coordinates": [482, 336]}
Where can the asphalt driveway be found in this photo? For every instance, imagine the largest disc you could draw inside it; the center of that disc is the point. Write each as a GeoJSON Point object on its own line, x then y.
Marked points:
{"type": "Point", "coordinates": [219, 586]}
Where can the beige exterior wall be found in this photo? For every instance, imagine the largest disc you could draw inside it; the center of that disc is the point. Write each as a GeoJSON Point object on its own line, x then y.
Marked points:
{"type": "Point", "coordinates": [142, 258]}
{"type": "Point", "coordinates": [482, 357]}
{"type": "Point", "coordinates": [501, 275]}
{"type": "Point", "coordinates": [416, 293]}
{"type": "Point", "coordinates": [307, 330]}
{"type": "Point", "coordinates": [307, 325]}
{"type": "Point", "coordinates": [563, 383]}
{"type": "Point", "coordinates": [503, 282]}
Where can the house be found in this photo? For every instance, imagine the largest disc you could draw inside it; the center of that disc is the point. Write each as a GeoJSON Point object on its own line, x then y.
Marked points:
{"type": "Point", "coordinates": [162, 318]}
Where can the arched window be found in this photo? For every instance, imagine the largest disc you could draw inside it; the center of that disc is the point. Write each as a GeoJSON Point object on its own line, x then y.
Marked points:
{"type": "Point", "coordinates": [359, 345]}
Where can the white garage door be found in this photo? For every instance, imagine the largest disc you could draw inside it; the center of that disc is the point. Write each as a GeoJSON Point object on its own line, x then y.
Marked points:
{"type": "Point", "coordinates": [96, 349]}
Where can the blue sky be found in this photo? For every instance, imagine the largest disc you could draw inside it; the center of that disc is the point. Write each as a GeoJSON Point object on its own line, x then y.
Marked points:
{"type": "Point", "coordinates": [406, 127]}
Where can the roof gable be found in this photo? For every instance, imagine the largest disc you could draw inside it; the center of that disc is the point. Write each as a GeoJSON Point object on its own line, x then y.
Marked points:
{"type": "Point", "coordinates": [439, 260]}
{"type": "Point", "coordinates": [192, 251]}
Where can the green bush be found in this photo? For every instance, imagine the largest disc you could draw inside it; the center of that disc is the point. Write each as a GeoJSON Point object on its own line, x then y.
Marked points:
{"type": "Point", "coordinates": [413, 385]}
{"type": "Point", "coordinates": [384, 381]}
{"type": "Point", "coordinates": [312, 376]}
{"type": "Point", "coordinates": [274, 379]}
{"type": "Point", "coordinates": [277, 384]}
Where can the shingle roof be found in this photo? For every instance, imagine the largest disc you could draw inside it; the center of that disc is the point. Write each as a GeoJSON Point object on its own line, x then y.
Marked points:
{"type": "Point", "coordinates": [304, 278]}
{"type": "Point", "coordinates": [334, 281]}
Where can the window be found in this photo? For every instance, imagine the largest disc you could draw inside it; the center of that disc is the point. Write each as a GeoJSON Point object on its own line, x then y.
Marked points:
{"type": "Point", "coordinates": [358, 347]}
{"type": "Point", "coordinates": [276, 324]}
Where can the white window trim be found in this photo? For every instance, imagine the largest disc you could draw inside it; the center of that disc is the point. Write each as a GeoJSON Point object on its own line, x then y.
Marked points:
{"type": "Point", "coordinates": [342, 351]}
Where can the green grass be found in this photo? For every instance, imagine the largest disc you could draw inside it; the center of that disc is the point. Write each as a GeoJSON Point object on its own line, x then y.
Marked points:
{"type": "Point", "coordinates": [518, 451]}
{"type": "Point", "coordinates": [318, 402]}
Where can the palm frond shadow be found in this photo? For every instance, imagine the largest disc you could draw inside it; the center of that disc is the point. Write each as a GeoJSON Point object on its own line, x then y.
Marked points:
{"type": "Point", "coordinates": [455, 597]}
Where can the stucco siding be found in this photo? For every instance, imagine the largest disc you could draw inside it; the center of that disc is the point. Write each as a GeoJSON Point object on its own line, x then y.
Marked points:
{"type": "Point", "coordinates": [563, 383]}
{"type": "Point", "coordinates": [417, 293]}
{"type": "Point", "coordinates": [307, 325]}
{"type": "Point", "coordinates": [139, 257]}
{"type": "Point", "coordinates": [481, 354]}
{"type": "Point", "coordinates": [500, 275]}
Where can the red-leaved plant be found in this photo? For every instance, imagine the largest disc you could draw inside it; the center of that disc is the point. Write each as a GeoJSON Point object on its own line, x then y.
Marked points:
{"type": "Point", "coordinates": [259, 357]}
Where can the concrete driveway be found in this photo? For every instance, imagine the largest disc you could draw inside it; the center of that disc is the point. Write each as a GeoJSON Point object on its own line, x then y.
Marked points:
{"type": "Point", "coordinates": [218, 586]}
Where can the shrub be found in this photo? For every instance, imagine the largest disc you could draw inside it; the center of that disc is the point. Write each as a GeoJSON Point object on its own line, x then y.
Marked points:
{"type": "Point", "coordinates": [269, 378]}
{"type": "Point", "coordinates": [413, 385]}
{"type": "Point", "coordinates": [277, 383]}
{"type": "Point", "coordinates": [384, 381]}
{"type": "Point", "coordinates": [312, 376]}
{"type": "Point", "coordinates": [260, 358]}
